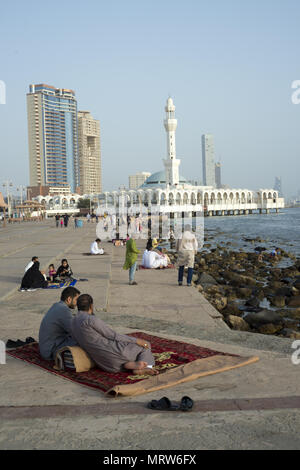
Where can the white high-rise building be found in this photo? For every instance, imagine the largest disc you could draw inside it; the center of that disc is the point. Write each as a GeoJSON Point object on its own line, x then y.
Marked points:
{"type": "Point", "coordinates": [171, 163]}
{"type": "Point", "coordinates": [135, 181]}
{"type": "Point", "coordinates": [208, 160]}
{"type": "Point", "coordinates": [89, 153]}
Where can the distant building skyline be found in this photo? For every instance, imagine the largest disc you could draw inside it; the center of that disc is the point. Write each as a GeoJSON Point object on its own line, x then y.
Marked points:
{"type": "Point", "coordinates": [278, 185]}
{"type": "Point", "coordinates": [218, 175]}
{"type": "Point", "coordinates": [135, 181]}
{"type": "Point", "coordinates": [208, 160]}
{"type": "Point", "coordinates": [89, 152]}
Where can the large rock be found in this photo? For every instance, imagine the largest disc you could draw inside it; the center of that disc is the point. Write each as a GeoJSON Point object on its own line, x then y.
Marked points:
{"type": "Point", "coordinates": [253, 302]}
{"type": "Point", "coordinates": [263, 318]}
{"type": "Point", "coordinates": [219, 303]}
{"type": "Point", "coordinates": [232, 309]}
{"type": "Point", "coordinates": [277, 301]}
{"type": "Point", "coordinates": [284, 291]}
{"type": "Point", "coordinates": [244, 293]}
{"type": "Point", "coordinates": [289, 333]}
{"type": "Point", "coordinates": [237, 323]}
{"type": "Point", "coordinates": [205, 279]}
{"type": "Point", "coordinates": [294, 301]}
{"type": "Point", "coordinates": [269, 329]}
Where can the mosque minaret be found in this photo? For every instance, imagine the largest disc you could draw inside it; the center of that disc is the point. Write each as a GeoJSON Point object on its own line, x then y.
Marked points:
{"type": "Point", "coordinates": [171, 163]}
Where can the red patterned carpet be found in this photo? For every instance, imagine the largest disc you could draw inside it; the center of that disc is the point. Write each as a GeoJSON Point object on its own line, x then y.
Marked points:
{"type": "Point", "coordinates": [169, 355]}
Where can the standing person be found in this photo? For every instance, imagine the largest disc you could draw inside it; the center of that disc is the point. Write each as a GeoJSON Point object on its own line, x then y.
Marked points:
{"type": "Point", "coordinates": [131, 259]}
{"type": "Point", "coordinates": [111, 351]}
{"type": "Point", "coordinates": [186, 248]}
{"type": "Point", "coordinates": [55, 328]}
{"type": "Point", "coordinates": [57, 217]}
{"type": "Point", "coordinates": [61, 222]}
{"type": "Point", "coordinates": [75, 222]}
{"type": "Point", "coordinates": [88, 216]}
{"type": "Point", "coordinates": [66, 220]}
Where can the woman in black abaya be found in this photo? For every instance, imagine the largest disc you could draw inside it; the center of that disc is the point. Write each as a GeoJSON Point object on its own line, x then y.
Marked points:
{"type": "Point", "coordinates": [33, 278]}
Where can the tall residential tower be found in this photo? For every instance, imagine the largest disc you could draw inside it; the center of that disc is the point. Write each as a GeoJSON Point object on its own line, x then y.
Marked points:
{"type": "Point", "coordinates": [52, 137]}
{"type": "Point", "coordinates": [89, 153]}
{"type": "Point", "coordinates": [208, 160]}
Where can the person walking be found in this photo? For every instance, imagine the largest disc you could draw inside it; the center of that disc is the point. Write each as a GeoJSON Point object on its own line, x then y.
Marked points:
{"type": "Point", "coordinates": [186, 248]}
{"type": "Point", "coordinates": [57, 217]}
{"type": "Point", "coordinates": [131, 260]}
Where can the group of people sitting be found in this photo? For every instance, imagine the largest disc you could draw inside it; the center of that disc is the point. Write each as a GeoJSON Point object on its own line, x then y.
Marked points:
{"type": "Point", "coordinates": [111, 351]}
{"type": "Point", "coordinates": [34, 278]}
{"type": "Point", "coordinates": [154, 257]}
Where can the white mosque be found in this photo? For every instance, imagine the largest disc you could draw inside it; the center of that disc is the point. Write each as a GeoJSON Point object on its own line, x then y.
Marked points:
{"type": "Point", "coordinates": [169, 192]}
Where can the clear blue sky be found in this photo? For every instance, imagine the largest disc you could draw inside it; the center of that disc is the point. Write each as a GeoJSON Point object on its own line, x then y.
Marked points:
{"type": "Point", "coordinates": [228, 64]}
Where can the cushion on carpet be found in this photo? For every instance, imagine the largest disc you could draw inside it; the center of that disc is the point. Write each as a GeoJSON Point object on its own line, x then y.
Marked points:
{"type": "Point", "coordinates": [73, 357]}
{"type": "Point", "coordinates": [176, 361]}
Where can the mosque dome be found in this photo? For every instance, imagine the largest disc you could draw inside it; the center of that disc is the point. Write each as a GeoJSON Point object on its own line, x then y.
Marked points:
{"type": "Point", "coordinates": [158, 180]}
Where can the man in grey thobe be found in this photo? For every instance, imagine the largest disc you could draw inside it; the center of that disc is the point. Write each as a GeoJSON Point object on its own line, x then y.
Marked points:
{"type": "Point", "coordinates": [111, 351]}
{"type": "Point", "coordinates": [55, 329]}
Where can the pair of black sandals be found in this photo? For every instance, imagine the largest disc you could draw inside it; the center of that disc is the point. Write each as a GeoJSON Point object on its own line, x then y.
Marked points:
{"type": "Point", "coordinates": [10, 344]}
{"type": "Point", "coordinates": [164, 404]}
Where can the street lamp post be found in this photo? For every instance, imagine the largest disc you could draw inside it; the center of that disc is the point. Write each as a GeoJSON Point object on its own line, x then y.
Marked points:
{"type": "Point", "coordinates": [21, 189]}
{"type": "Point", "coordinates": [8, 184]}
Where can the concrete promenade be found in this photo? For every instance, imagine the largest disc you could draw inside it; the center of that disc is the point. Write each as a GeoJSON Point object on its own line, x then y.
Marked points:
{"type": "Point", "coordinates": [252, 407]}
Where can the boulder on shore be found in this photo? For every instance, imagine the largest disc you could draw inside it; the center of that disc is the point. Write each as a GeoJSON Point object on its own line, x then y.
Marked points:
{"type": "Point", "coordinates": [263, 318]}
{"type": "Point", "coordinates": [294, 301]}
{"type": "Point", "coordinates": [269, 329]}
{"type": "Point", "coordinates": [277, 301]}
{"type": "Point", "coordinates": [237, 323]}
{"type": "Point", "coordinates": [205, 279]}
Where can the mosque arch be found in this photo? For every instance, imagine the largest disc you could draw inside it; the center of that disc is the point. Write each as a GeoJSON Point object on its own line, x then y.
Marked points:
{"type": "Point", "coordinates": [171, 199]}
{"type": "Point", "coordinates": [178, 198]}
{"type": "Point", "coordinates": [193, 199]}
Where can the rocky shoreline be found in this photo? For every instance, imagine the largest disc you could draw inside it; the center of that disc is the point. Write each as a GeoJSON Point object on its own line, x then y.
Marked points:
{"type": "Point", "coordinates": [249, 289]}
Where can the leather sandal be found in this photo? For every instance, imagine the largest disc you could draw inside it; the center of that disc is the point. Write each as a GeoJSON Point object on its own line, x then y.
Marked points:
{"type": "Point", "coordinates": [164, 404]}
{"type": "Point", "coordinates": [186, 404]}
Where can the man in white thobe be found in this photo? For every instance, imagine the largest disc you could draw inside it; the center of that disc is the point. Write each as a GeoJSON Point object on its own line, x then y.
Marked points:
{"type": "Point", "coordinates": [95, 249]}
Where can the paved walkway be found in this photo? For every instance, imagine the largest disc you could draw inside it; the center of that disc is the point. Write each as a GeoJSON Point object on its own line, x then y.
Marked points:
{"type": "Point", "coordinates": [256, 406]}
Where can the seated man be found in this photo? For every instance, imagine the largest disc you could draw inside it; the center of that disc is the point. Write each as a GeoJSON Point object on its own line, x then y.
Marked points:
{"type": "Point", "coordinates": [55, 329]}
{"type": "Point", "coordinates": [153, 260]}
{"type": "Point", "coordinates": [95, 247]}
{"type": "Point", "coordinates": [111, 351]}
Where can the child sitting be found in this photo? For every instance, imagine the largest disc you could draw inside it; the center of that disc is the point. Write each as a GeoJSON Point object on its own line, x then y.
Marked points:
{"type": "Point", "coordinates": [64, 271]}
{"type": "Point", "coordinates": [52, 273]}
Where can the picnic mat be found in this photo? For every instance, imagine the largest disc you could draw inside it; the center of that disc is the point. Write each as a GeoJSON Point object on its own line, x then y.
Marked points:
{"type": "Point", "coordinates": [60, 285]}
{"type": "Point", "coordinates": [176, 361]}
{"type": "Point", "coordinates": [170, 266]}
